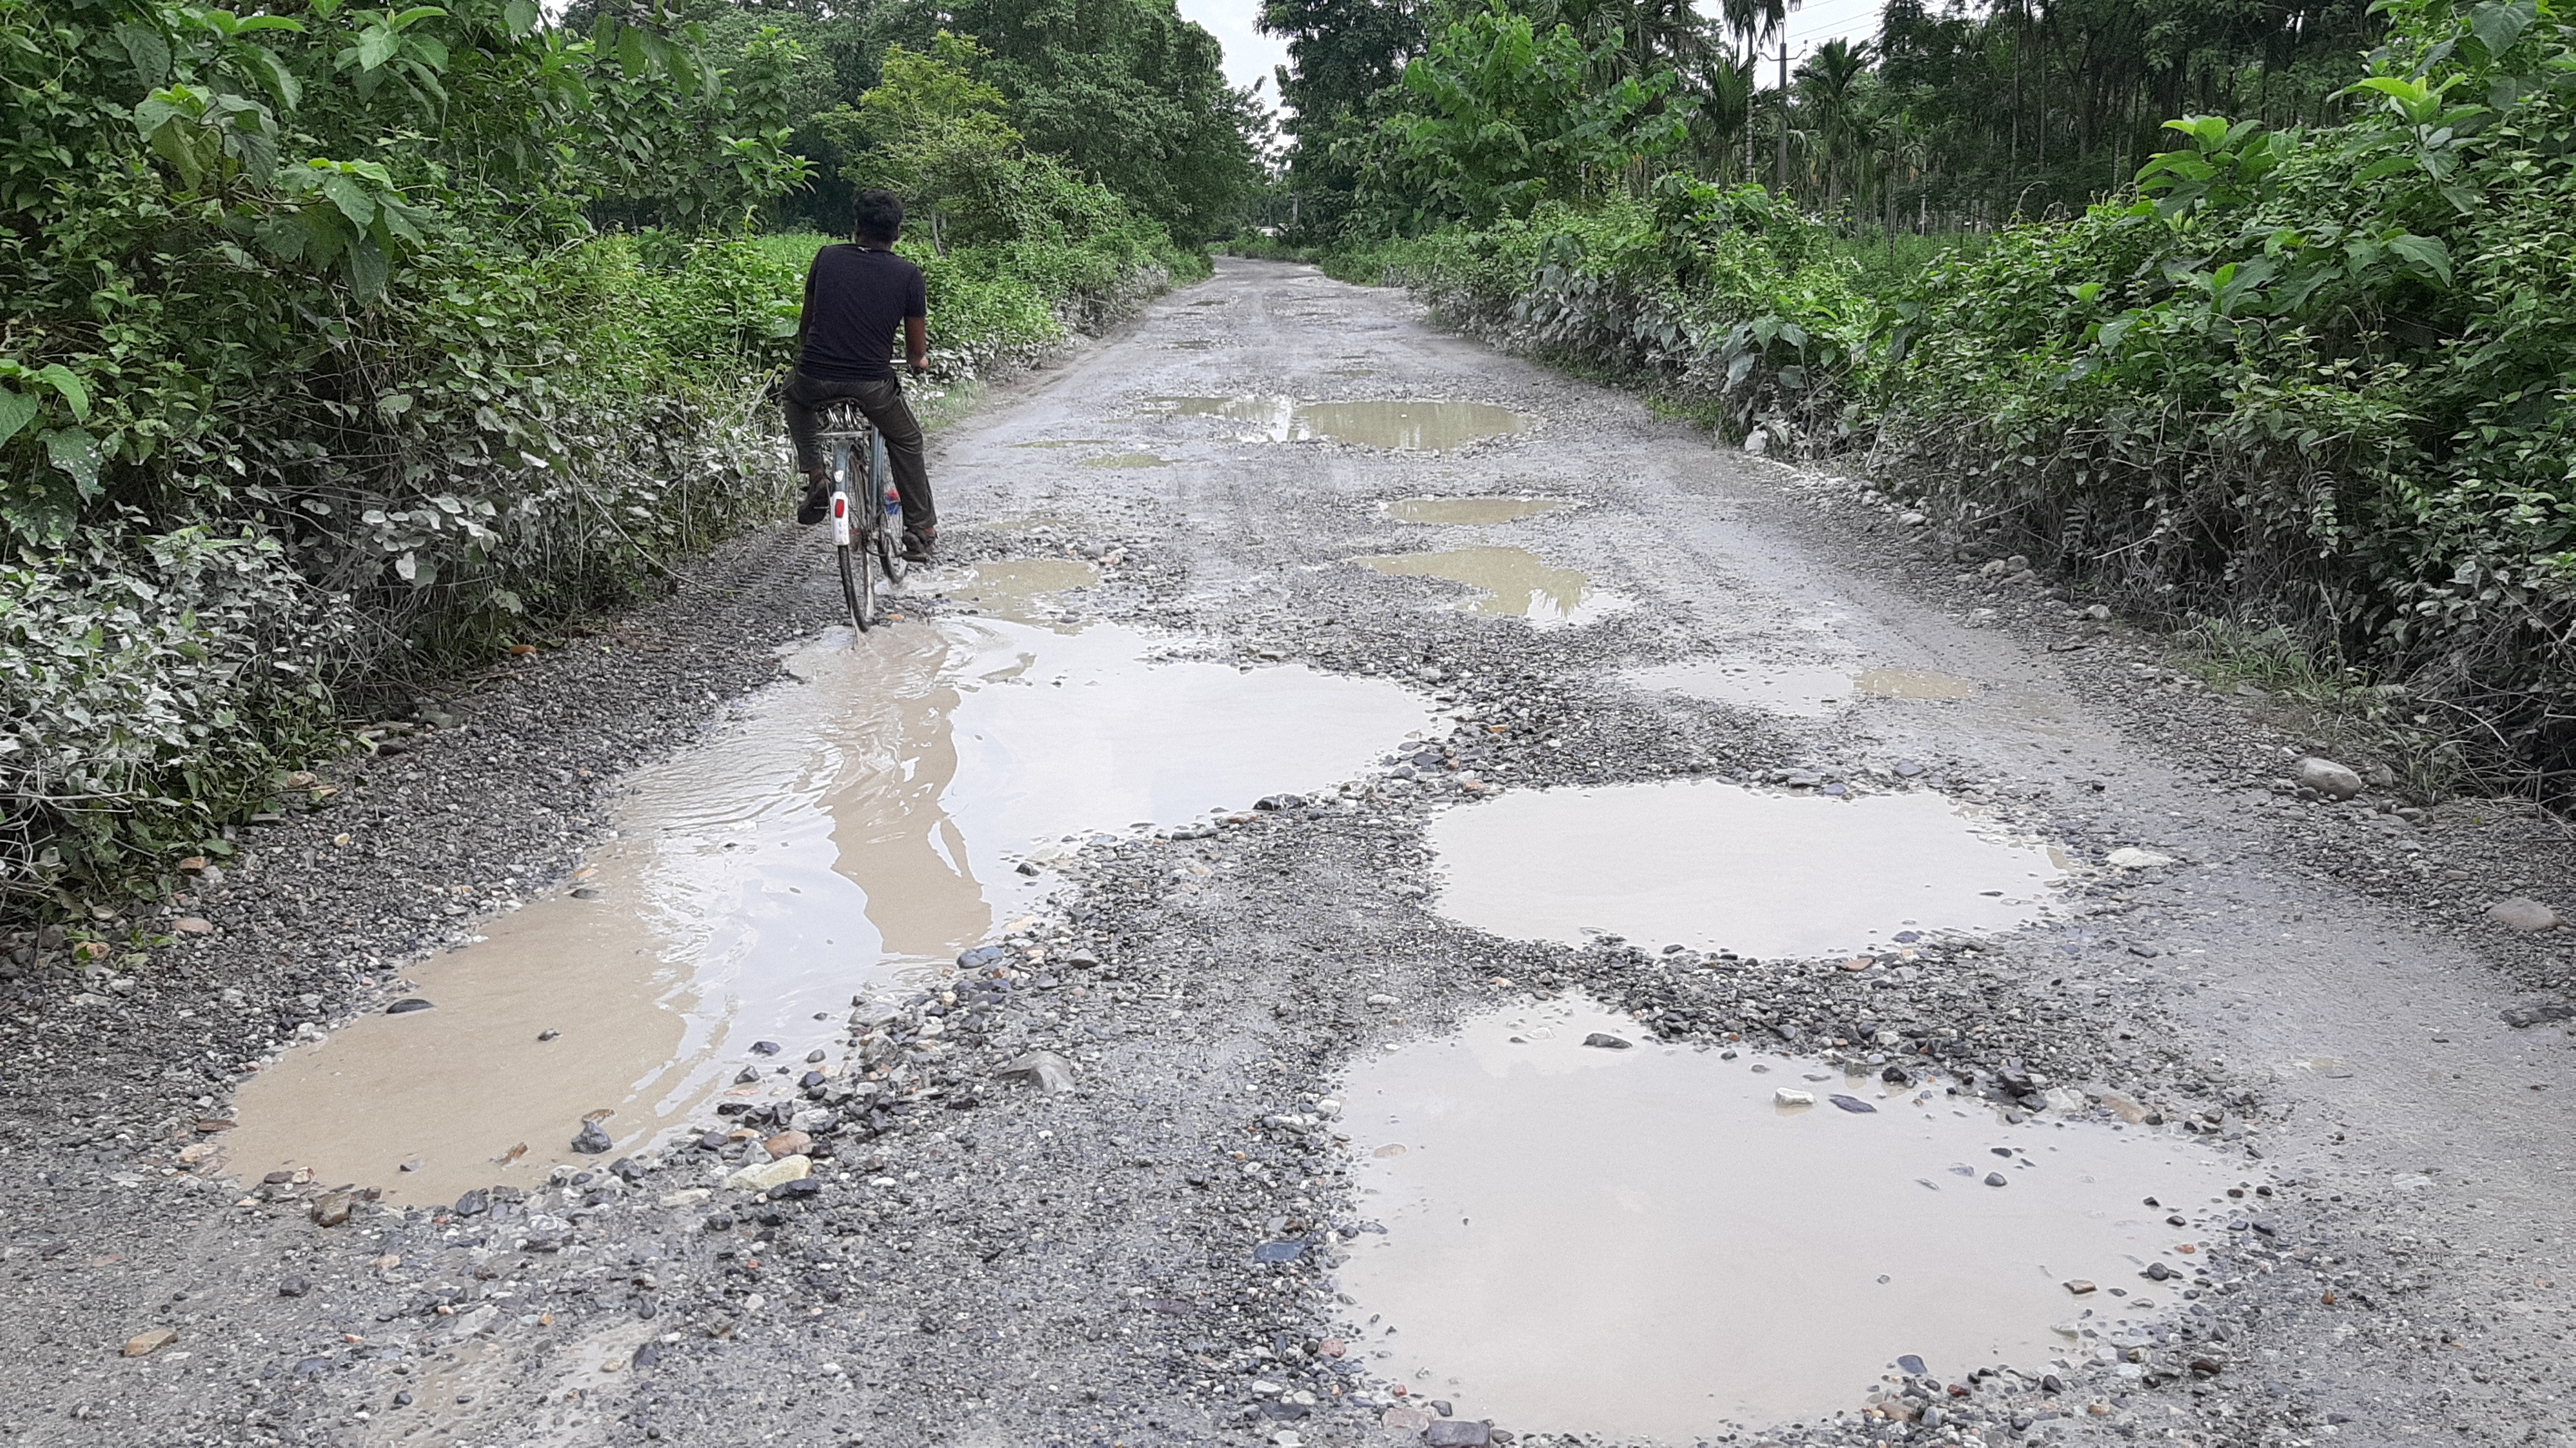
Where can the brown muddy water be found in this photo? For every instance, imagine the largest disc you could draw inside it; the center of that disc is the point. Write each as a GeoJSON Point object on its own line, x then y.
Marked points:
{"type": "Point", "coordinates": [1807, 691]}
{"type": "Point", "coordinates": [1642, 1243]}
{"type": "Point", "coordinates": [1719, 866]}
{"type": "Point", "coordinates": [1412, 424]}
{"type": "Point", "coordinates": [1509, 582]}
{"type": "Point", "coordinates": [1470, 511]}
{"type": "Point", "coordinates": [1914, 684]}
{"type": "Point", "coordinates": [1811, 691]}
{"type": "Point", "coordinates": [849, 834]}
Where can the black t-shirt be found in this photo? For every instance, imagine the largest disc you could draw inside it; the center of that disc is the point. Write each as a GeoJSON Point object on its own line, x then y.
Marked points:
{"type": "Point", "coordinates": [855, 299]}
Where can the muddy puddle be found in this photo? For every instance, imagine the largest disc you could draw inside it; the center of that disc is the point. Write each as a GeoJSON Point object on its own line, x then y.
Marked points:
{"type": "Point", "coordinates": [1469, 511]}
{"type": "Point", "coordinates": [1410, 424]}
{"type": "Point", "coordinates": [1913, 684]}
{"type": "Point", "coordinates": [1807, 691]}
{"type": "Point", "coordinates": [1717, 866]}
{"type": "Point", "coordinates": [846, 837]}
{"type": "Point", "coordinates": [1127, 460]}
{"type": "Point", "coordinates": [1641, 1243]}
{"type": "Point", "coordinates": [1023, 590]}
{"type": "Point", "coordinates": [1512, 582]}
{"type": "Point", "coordinates": [1810, 691]}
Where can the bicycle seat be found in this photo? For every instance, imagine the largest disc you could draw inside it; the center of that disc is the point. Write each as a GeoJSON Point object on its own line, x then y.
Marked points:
{"type": "Point", "coordinates": [841, 417]}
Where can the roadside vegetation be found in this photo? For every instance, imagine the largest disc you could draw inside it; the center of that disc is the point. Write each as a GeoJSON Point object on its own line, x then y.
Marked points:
{"type": "Point", "coordinates": [346, 345]}
{"type": "Point", "coordinates": [2262, 319]}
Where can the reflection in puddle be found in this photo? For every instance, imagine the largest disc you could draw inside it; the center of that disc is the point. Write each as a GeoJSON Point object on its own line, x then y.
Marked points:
{"type": "Point", "coordinates": [1914, 684]}
{"type": "Point", "coordinates": [1641, 1243]}
{"type": "Point", "coordinates": [1512, 581]}
{"type": "Point", "coordinates": [1470, 510]}
{"type": "Point", "coordinates": [1432, 426]}
{"type": "Point", "coordinates": [1717, 866]}
{"type": "Point", "coordinates": [856, 825]}
{"type": "Point", "coordinates": [1805, 690]}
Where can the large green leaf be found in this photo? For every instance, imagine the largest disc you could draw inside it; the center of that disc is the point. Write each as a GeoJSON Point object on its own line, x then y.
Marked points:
{"type": "Point", "coordinates": [76, 453]}
{"type": "Point", "coordinates": [16, 411]}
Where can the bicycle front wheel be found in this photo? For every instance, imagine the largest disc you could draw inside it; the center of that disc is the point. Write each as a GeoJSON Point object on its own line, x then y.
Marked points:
{"type": "Point", "coordinates": [887, 515]}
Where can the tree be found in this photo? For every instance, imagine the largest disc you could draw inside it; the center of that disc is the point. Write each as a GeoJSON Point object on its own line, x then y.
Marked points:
{"type": "Point", "coordinates": [929, 131]}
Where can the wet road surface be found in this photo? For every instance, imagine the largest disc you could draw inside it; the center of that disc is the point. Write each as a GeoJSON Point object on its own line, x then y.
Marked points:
{"type": "Point", "coordinates": [1544, 927]}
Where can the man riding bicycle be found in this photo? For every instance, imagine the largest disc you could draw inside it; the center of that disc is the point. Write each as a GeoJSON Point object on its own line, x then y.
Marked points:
{"type": "Point", "coordinates": [855, 294]}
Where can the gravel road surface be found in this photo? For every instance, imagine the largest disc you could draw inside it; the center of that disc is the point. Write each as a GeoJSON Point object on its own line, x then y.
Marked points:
{"type": "Point", "coordinates": [1093, 1180]}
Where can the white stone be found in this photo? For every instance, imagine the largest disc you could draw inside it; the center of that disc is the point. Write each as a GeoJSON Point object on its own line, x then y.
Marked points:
{"type": "Point", "coordinates": [2327, 778]}
{"type": "Point", "coordinates": [2130, 857]}
{"type": "Point", "coordinates": [1792, 1096]}
{"type": "Point", "coordinates": [2523, 913]}
{"type": "Point", "coordinates": [761, 1177]}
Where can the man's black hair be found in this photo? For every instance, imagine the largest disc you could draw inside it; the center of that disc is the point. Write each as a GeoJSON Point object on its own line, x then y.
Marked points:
{"type": "Point", "coordinates": [878, 217]}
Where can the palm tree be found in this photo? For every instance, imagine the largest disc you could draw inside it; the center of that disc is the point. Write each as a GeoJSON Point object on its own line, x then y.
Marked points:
{"type": "Point", "coordinates": [1833, 95]}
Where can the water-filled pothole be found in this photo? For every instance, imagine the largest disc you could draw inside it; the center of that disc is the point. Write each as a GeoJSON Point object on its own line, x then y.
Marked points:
{"type": "Point", "coordinates": [852, 828]}
{"type": "Point", "coordinates": [1127, 460]}
{"type": "Point", "coordinates": [1642, 1242]}
{"type": "Point", "coordinates": [1470, 510]}
{"type": "Point", "coordinates": [1803, 690]}
{"type": "Point", "coordinates": [1509, 581]}
{"type": "Point", "coordinates": [1719, 866]}
{"type": "Point", "coordinates": [1415, 424]}
{"type": "Point", "coordinates": [1913, 684]}
{"type": "Point", "coordinates": [1810, 691]}
{"type": "Point", "coordinates": [1012, 588]}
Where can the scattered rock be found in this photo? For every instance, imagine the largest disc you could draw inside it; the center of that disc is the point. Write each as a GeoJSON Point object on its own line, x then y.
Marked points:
{"type": "Point", "coordinates": [1607, 1042]}
{"type": "Point", "coordinates": [761, 1177]}
{"type": "Point", "coordinates": [2514, 1016]}
{"type": "Point", "coordinates": [2078, 1286]}
{"type": "Point", "coordinates": [2326, 777]}
{"type": "Point", "coordinates": [474, 1203]}
{"type": "Point", "coordinates": [788, 1143]}
{"type": "Point", "coordinates": [2130, 857]}
{"type": "Point", "coordinates": [1791, 1096]}
{"type": "Point", "coordinates": [1911, 1365]}
{"type": "Point", "coordinates": [1458, 1433]}
{"type": "Point", "coordinates": [1284, 1251]}
{"type": "Point", "coordinates": [332, 1208]}
{"type": "Point", "coordinates": [1045, 1070]}
{"type": "Point", "coordinates": [193, 925]}
{"type": "Point", "coordinates": [593, 1139]}
{"type": "Point", "coordinates": [407, 1005]}
{"type": "Point", "coordinates": [294, 1287]}
{"type": "Point", "coordinates": [1853, 1104]}
{"type": "Point", "coordinates": [1280, 801]}
{"type": "Point", "coordinates": [2522, 913]}
{"type": "Point", "coordinates": [1997, 1179]}
{"type": "Point", "coordinates": [144, 1344]}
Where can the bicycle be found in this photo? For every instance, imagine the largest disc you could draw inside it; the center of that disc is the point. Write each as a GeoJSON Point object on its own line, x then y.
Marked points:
{"type": "Point", "coordinates": [861, 531]}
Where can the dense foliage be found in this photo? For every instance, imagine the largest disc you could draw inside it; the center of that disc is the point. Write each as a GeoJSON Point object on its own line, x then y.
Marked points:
{"type": "Point", "coordinates": [319, 369]}
{"type": "Point", "coordinates": [2322, 377]}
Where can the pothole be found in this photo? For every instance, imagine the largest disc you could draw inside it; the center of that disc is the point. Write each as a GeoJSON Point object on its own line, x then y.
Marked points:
{"type": "Point", "coordinates": [852, 831]}
{"type": "Point", "coordinates": [1512, 582]}
{"type": "Point", "coordinates": [1015, 588]}
{"type": "Point", "coordinates": [1802, 690]}
{"type": "Point", "coordinates": [1466, 511]}
{"type": "Point", "coordinates": [1810, 691]}
{"type": "Point", "coordinates": [1913, 684]}
{"type": "Point", "coordinates": [1719, 866]}
{"type": "Point", "coordinates": [1127, 460]}
{"type": "Point", "coordinates": [1413, 424]}
{"type": "Point", "coordinates": [1642, 1242]}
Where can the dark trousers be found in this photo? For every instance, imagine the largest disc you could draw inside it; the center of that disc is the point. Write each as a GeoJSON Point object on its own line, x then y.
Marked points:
{"type": "Point", "coordinates": [881, 398]}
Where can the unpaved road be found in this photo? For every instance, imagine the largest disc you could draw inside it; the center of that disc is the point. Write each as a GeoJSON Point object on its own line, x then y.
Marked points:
{"type": "Point", "coordinates": [1157, 1255]}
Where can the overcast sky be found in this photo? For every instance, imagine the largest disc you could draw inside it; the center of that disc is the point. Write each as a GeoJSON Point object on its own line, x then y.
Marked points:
{"type": "Point", "coordinates": [1249, 54]}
